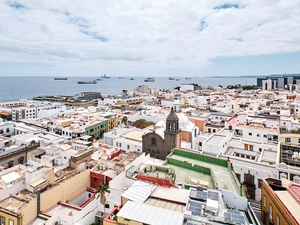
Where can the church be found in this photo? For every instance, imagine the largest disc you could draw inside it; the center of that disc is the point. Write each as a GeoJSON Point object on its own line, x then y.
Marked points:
{"type": "Point", "coordinates": [176, 132]}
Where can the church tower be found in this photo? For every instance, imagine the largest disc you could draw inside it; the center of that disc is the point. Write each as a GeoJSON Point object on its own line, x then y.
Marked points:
{"type": "Point", "coordinates": [172, 133]}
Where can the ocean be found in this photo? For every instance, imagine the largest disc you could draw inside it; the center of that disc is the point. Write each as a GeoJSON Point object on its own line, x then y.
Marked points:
{"type": "Point", "coordinates": [15, 88]}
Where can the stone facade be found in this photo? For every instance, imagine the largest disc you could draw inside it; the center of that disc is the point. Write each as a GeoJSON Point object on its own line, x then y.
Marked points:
{"type": "Point", "coordinates": [159, 147]}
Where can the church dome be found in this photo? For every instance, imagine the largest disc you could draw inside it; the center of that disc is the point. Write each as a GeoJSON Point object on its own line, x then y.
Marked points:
{"type": "Point", "coordinates": [172, 116]}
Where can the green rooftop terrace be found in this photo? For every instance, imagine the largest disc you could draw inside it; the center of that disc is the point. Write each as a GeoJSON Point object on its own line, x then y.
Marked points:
{"type": "Point", "coordinates": [208, 171]}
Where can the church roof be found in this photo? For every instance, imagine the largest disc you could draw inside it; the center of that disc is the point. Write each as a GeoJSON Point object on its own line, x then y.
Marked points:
{"type": "Point", "coordinates": [172, 116]}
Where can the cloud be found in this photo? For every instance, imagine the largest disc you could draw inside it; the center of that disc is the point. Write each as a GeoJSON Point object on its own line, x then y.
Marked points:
{"type": "Point", "coordinates": [145, 35]}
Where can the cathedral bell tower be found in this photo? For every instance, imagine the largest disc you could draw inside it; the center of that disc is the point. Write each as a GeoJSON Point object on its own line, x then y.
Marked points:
{"type": "Point", "coordinates": [172, 132]}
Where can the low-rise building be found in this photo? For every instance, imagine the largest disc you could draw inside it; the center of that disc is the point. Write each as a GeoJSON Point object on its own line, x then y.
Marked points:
{"type": "Point", "coordinates": [280, 202]}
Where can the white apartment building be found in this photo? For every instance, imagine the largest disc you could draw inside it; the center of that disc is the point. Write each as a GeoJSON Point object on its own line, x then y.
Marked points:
{"type": "Point", "coordinates": [29, 109]}
{"type": "Point", "coordinates": [6, 128]}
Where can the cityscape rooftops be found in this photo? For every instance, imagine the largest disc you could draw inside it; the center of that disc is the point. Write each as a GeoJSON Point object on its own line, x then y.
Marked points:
{"type": "Point", "coordinates": [148, 214]}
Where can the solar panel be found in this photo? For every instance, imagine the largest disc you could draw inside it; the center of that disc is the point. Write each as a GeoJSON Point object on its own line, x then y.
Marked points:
{"type": "Point", "coordinates": [234, 211]}
{"type": "Point", "coordinates": [195, 208]}
{"type": "Point", "coordinates": [191, 223]}
{"type": "Point", "coordinates": [199, 195]}
{"type": "Point", "coordinates": [234, 216]}
{"type": "Point", "coordinates": [213, 195]}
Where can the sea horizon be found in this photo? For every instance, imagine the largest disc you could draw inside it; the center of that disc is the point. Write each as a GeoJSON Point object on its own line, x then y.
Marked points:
{"type": "Point", "coordinates": [28, 87]}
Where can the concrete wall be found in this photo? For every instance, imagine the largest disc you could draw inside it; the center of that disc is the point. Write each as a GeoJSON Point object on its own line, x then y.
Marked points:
{"type": "Point", "coordinates": [30, 212]}
{"type": "Point", "coordinates": [199, 122]}
{"type": "Point", "coordinates": [233, 201]}
{"type": "Point", "coordinates": [67, 190]}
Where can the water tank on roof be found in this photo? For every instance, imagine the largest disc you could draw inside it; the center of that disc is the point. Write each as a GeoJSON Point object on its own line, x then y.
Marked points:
{"type": "Point", "coordinates": [100, 167]}
{"type": "Point", "coordinates": [148, 168]}
{"type": "Point", "coordinates": [104, 167]}
{"type": "Point", "coordinates": [153, 167]}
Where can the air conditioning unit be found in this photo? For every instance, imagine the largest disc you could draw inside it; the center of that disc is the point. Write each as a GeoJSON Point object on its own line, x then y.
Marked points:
{"type": "Point", "coordinates": [214, 213]}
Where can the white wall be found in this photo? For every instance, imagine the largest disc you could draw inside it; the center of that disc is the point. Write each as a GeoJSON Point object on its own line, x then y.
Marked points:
{"type": "Point", "coordinates": [233, 201]}
{"type": "Point", "coordinates": [124, 143]}
{"type": "Point", "coordinates": [260, 171]}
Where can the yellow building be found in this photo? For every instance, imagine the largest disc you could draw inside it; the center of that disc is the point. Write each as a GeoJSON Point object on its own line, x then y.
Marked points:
{"type": "Point", "coordinates": [280, 202]}
{"type": "Point", "coordinates": [18, 209]}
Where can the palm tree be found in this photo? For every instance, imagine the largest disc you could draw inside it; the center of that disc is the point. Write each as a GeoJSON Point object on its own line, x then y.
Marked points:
{"type": "Point", "coordinates": [101, 190]}
{"type": "Point", "coordinates": [125, 120]}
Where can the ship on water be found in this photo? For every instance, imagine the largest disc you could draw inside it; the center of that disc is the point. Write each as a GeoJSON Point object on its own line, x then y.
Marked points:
{"type": "Point", "coordinates": [104, 76]}
{"type": "Point", "coordinates": [149, 79]}
{"type": "Point", "coordinates": [60, 78]}
{"type": "Point", "coordinates": [87, 82]}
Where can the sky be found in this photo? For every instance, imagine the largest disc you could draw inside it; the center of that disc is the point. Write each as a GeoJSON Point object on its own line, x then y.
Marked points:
{"type": "Point", "coordinates": [149, 38]}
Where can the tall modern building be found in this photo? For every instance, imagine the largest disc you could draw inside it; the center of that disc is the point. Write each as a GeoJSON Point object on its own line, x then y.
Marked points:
{"type": "Point", "coordinates": [277, 81]}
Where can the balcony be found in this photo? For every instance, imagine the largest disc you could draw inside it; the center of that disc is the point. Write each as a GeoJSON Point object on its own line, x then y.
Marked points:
{"type": "Point", "coordinates": [284, 130]}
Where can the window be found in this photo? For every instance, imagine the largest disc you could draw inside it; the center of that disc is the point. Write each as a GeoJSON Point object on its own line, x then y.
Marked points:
{"type": "Point", "coordinates": [258, 135]}
{"type": "Point", "coordinates": [95, 179]}
{"type": "Point", "coordinates": [265, 136]}
{"type": "Point", "coordinates": [288, 140]}
{"type": "Point", "coordinates": [250, 134]}
{"type": "Point", "coordinates": [265, 201]}
{"type": "Point", "coordinates": [153, 141]}
{"type": "Point", "coordinates": [127, 220]}
{"type": "Point", "coordinates": [277, 220]}
{"type": "Point", "coordinates": [107, 206]}
{"type": "Point", "coordinates": [209, 130]}
{"type": "Point", "coordinates": [271, 212]}
{"type": "Point", "coordinates": [296, 179]}
{"type": "Point", "coordinates": [200, 144]}
{"type": "Point", "coordinates": [260, 149]}
{"type": "Point", "coordinates": [259, 183]}
{"type": "Point", "coordinates": [128, 147]}
{"type": "Point", "coordinates": [11, 222]}
{"type": "Point", "coordinates": [238, 176]}
{"type": "Point", "coordinates": [283, 176]}
{"type": "Point", "coordinates": [214, 130]}
{"type": "Point", "coordinates": [2, 220]}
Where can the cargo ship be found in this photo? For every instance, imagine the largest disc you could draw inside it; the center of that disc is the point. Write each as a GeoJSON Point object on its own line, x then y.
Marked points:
{"type": "Point", "coordinates": [87, 82]}
{"type": "Point", "coordinates": [149, 79]}
{"type": "Point", "coordinates": [60, 78]}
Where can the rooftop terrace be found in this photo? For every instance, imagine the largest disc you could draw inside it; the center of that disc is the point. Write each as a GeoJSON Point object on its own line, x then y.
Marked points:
{"type": "Point", "coordinates": [213, 170]}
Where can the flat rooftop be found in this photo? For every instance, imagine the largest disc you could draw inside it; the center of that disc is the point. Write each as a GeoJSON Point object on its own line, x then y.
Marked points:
{"type": "Point", "coordinates": [165, 205]}
{"type": "Point", "coordinates": [221, 175]}
{"type": "Point", "coordinates": [17, 203]}
{"type": "Point", "coordinates": [62, 209]}
{"type": "Point", "coordinates": [216, 139]}
{"type": "Point", "coordinates": [150, 214]}
{"type": "Point", "coordinates": [291, 204]}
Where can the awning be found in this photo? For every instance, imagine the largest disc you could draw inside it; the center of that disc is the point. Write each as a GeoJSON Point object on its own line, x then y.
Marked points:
{"type": "Point", "coordinates": [86, 137]}
{"type": "Point", "coordinates": [38, 182]}
{"type": "Point", "coordinates": [7, 178]}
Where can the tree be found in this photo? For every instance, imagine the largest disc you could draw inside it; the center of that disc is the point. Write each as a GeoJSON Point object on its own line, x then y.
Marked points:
{"type": "Point", "coordinates": [101, 190]}
{"type": "Point", "coordinates": [142, 123]}
{"type": "Point", "coordinates": [125, 120]}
